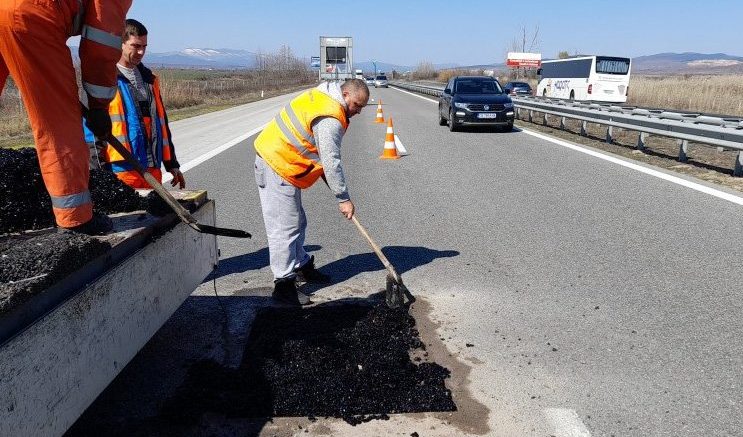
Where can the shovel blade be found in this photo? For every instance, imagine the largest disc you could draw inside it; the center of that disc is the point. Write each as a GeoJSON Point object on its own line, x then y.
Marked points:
{"type": "Point", "coordinates": [395, 293]}
{"type": "Point", "coordinates": [224, 232]}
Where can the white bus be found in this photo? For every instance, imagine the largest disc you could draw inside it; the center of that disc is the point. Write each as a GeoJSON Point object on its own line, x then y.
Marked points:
{"type": "Point", "coordinates": [599, 78]}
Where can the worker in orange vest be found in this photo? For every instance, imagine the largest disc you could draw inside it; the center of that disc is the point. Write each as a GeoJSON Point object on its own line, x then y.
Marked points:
{"type": "Point", "coordinates": [300, 145]}
{"type": "Point", "coordinates": [138, 118]}
{"type": "Point", "coordinates": [33, 50]}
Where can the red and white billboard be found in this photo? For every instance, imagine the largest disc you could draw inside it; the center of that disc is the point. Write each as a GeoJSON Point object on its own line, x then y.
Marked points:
{"type": "Point", "coordinates": [529, 60]}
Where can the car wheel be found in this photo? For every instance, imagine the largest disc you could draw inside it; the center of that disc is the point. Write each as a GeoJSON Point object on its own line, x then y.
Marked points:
{"type": "Point", "coordinates": [508, 128]}
{"type": "Point", "coordinates": [452, 123]}
{"type": "Point", "coordinates": [442, 119]}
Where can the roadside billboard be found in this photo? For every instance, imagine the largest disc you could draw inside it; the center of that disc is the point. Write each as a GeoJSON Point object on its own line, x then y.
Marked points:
{"type": "Point", "coordinates": [520, 60]}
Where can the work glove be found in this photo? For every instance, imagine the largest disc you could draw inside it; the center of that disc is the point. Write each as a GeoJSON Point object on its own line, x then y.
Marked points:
{"type": "Point", "coordinates": [178, 178]}
{"type": "Point", "coordinates": [99, 122]}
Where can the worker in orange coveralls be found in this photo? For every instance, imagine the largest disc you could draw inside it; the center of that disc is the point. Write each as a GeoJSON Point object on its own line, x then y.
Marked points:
{"type": "Point", "coordinates": [33, 50]}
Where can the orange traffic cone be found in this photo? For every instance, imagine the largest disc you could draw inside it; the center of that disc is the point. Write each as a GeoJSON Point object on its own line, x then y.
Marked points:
{"type": "Point", "coordinates": [390, 151]}
{"type": "Point", "coordinates": [380, 115]}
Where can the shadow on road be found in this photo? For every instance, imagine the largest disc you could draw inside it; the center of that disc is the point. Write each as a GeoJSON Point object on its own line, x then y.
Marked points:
{"type": "Point", "coordinates": [403, 258]}
{"type": "Point", "coordinates": [246, 262]}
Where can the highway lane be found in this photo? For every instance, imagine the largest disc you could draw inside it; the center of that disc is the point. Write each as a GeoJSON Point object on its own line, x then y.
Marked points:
{"type": "Point", "coordinates": [599, 300]}
{"type": "Point", "coordinates": [198, 138]}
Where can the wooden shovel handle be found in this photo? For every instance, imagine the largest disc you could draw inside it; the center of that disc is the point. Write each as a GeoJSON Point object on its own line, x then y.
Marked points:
{"type": "Point", "coordinates": [377, 250]}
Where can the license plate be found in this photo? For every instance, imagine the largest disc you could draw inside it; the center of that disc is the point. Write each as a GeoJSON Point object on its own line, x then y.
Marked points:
{"type": "Point", "coordinates": [487, 115]}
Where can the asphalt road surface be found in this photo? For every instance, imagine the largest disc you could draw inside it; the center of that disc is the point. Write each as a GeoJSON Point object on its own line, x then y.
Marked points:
{"type": "Point", "coordinates": [598, 299]}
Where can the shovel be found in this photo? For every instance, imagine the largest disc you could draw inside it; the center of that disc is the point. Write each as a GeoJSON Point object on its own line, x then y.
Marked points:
{"type": "Point", "coordinates": [180, 211]}
{"type": "Point", "coordinates": [395, 291]}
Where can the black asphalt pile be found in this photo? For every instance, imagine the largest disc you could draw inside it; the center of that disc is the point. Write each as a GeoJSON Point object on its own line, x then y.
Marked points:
{"type": "Point", "coordinates": [155, 205]}
{"type": "Point", "coordinates": [24, 201]}
{"type": "Point", "coordinates": [110, 195]}
{"type": "Point", "coordinates": [348, 361]}
{"type": "Point", "coordinates": [25, 204]}
{"type": "Point", "coordinates": [30, 266]}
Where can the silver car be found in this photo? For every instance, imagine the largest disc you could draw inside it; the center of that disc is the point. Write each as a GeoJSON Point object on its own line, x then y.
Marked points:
{"type": "Point", "coordinates": [380, 81]}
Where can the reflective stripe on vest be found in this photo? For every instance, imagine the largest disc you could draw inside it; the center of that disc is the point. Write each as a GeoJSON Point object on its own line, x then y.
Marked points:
{"type": "Point", "coordinates": [101, 37]}
{"type": "Point", "coordinates": [71, 200]}
{"type": "Point", "coordinates": [287, 143]}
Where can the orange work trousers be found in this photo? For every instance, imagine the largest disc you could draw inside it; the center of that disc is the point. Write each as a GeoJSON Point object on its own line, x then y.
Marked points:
{"type": "Point", "coordinates": [134, 180]}
{"type": "Point", "coordinates": [33, 50]}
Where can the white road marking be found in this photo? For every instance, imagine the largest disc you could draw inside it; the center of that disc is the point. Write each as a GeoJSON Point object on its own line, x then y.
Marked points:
{"type": "Point", "coordinates": [214, 152]}
{"type": "Point", "coordinates": [566, 423]}
{"type": "Point", "coordinates": [649, 171]}
{"type": "Point", "coordinates": [416, 95]}
{"type": "Point", "coordinates": [673, 179]}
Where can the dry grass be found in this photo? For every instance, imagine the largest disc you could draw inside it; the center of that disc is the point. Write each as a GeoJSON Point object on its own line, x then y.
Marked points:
{"type": "Point", "coordinates": [185, 93]}
{"type": "Point", "coordinates": [13, 120]}
{"type": "Point", "coordinates": [709, 94]}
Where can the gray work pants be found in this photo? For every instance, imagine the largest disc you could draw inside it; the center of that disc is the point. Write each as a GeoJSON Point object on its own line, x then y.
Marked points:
{"type": "Point", "coordinates": [284, 218]}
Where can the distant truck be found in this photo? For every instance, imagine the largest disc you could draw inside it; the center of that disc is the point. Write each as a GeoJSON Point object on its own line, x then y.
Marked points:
{"type": "Point", "coordinates": [336, 58]}
{"type": "Point", "coordinates": [359, 74]}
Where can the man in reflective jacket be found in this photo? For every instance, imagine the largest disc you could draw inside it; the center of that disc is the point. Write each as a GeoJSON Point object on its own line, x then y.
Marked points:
{"type": "Point", "coordinates": [138, 116]}
{"type": "Point", "coordinates": [300, 145]}
{"type": "Point", "coordinates": [33, 51]}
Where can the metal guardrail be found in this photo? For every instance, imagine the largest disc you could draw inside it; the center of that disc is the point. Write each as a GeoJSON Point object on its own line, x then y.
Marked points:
{"type": "Point", "coordinates": [724, 132]}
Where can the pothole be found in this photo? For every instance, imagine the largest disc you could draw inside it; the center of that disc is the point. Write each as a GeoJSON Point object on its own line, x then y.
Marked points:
{"type": "Point", "coordinates": [350, 361]}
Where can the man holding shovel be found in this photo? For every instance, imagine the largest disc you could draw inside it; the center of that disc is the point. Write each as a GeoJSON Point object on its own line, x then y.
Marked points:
{"type": "Point", "coordinates": [300, 145]}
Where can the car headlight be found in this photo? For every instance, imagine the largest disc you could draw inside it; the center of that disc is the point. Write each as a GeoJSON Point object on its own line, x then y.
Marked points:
{"type": "Point", "coordinates": [460, 105]}
{"type": "Point", "coordinates": [508, 105]}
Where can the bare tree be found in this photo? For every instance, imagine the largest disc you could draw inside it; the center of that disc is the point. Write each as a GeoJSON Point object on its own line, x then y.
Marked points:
{"type": "Point", "coordinates": [526, 41]}
{"type": "Point", "coordinates": [424, 70]}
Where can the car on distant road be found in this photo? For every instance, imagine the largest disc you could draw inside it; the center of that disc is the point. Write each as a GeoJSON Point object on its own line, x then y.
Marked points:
{"type": "Point", "coordinates": [475, 101]}
{"type": "Point", "coordinates": [380, 81]}
{"type": "Point", "coordinates": [518, 89]}
{"type": "Point", "coordinates": [369, 81]}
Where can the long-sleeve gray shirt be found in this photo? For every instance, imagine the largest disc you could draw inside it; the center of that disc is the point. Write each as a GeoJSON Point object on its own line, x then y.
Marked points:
{"type": "Point", "coordinates": [328, 133]}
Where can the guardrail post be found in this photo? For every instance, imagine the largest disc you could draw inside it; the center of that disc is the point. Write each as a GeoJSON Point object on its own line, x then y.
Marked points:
{"type": "Point", "coordinates": [738, 171]}
{"type": "Point", "coordinates": [562, 123]}
{"type": "Point", "coordinates": [531, 115]}
{"type": "Point", "coordinates": [584, 128]}
{"type": "Point", "coordinates": [683, 150]}
{"type": "Point", "coordinates": [544, 119]}
{"type": "Point", "coordinates": [641, 141]}
{"type": "Point", "coordinates": [609, 134]}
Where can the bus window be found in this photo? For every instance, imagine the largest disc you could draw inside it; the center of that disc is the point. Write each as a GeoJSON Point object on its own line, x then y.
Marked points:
{"type": "Point", "coordinates": [612, 65]}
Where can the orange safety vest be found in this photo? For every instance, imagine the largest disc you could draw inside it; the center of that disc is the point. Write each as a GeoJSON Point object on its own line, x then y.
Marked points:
{"type": "Point", "coordinates": [287, 143]}
{"type": "Point", "coordinates": [126, 127]}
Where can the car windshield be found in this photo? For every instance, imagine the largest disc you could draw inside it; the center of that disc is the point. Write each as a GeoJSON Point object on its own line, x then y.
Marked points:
{"type": "Point", "coordinates": [477, 87]}
{"type": "Point", "coordinates": [520, 84]}
{"type": "Point", "coordinates": [381, 77]}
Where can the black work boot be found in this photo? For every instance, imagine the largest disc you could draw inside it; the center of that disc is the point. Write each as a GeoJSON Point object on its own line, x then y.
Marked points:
{"type": "Point", "coordinates": [100, 224]}
{"type": "Point", "coordinates": [308, 273]}
{"type": "Point", "coordinates": [285, 291]}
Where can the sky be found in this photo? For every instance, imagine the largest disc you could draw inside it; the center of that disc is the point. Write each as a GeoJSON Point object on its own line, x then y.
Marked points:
{"type": "Point", "coordinates": [462, 32]}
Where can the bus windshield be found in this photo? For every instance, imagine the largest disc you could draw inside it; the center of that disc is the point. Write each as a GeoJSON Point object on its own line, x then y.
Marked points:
{"type": "Point", "coordinates": [612, 65]}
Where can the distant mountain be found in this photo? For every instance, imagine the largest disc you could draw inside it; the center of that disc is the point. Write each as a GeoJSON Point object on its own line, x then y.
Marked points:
{"type": "Point", "coordinates": [204, 58]}
{"type": "Point", "coordinates": [688, 63]}
{"type": "Point", "coordinates": [368, 67]}
{"type": "Point", "coordinates": [661, 63]}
